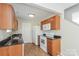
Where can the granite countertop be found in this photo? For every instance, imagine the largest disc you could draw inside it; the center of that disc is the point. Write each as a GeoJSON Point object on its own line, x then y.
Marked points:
{"type": "Point", "coordinates": [12, 40]}
{"type": "Point", "coordinates": [54, 37]}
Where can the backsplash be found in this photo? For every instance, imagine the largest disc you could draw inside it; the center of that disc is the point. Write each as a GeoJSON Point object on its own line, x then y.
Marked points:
{"type": "Point", "coordinates": [4, 35]}
{"type": "Point", "coordinates": [51, 33]}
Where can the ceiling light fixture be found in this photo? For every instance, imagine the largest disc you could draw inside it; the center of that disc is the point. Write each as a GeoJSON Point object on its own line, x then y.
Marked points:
{"type": "Point", "coordinates": [31, 15]}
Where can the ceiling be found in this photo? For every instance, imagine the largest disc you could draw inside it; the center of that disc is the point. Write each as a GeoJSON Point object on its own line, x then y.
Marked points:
{"type": "Point", "coordinates": [56, 6]}
{"type": "Point", "coordinates": [23, 10]}
{"type": "Point", "coordinates": [40, 10]}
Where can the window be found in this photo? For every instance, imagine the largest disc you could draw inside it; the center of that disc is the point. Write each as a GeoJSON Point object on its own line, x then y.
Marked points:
{"type": "Point", "coordinates": [75, 17]}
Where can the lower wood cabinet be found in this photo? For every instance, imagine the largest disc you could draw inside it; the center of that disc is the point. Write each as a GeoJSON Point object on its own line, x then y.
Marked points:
{"type": "Point", "coordinates": [53, 46]}
{"type": "Point", "coordinates": [14, 50]}
{"type": "Point", "coordinates": [4, 51]}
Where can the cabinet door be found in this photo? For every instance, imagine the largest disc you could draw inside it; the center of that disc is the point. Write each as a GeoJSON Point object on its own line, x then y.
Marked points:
{"type": "Point", "coordinates": [53, 46]}
{"type": "Point", "coordinates": [15, 25]}
{"type": "Point", "coordinates": [4, 51]}
{"type": "Point", "coordinates": [49, 46]}
{"type": "Point", "coordinates": [14, 22]}
{"type": "Point", "coordinates": [1, 15]}
{"type": "Point", "coordinates": [55, 23]}
{"type": "Point", "coordinates": [15, 50]}
{"type": "Point", "coordinates": [56, 47]}
{"type": "Point", "coordinates": [6, 16]}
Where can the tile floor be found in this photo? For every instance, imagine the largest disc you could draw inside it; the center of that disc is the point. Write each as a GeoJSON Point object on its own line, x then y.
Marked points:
{"type": "Point", "coordinates": [33, 50]}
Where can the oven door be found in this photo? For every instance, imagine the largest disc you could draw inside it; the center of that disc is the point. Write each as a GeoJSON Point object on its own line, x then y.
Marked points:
{"type": "Point", "coordinates": [43, 43]}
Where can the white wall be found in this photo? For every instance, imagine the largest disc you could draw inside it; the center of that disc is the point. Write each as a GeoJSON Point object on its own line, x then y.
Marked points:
{"type": "Point", "coordinates": [70, 36]}
{"type": "Point", "coordinates": [69, 11]}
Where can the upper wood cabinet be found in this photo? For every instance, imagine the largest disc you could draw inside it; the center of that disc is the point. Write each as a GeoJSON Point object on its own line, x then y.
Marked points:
{"type": "Point", "coordinates": [7, 17]}
{"type": "Point", "coordinates": [53, 23]}
{"type": "Point", "coordinates": [15, 24]}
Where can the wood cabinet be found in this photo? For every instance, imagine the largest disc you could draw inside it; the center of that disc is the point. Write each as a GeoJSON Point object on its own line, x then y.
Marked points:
{"type": "Point", "coordinates": [4, 51]}
{"type": "Point", "coordinates": [15, 24]}
{"type": "Point", "coordinates": [7, 17]}
{"type": "Point", "coordinates": [52, 23]}
{"type": "Point", "coordinates": [14, 50]}
{"type": "Point", "coordinates": [53, 46]}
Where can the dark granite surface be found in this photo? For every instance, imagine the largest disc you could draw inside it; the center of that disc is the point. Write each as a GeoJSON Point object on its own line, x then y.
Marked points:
{"type": "Point", "coordinates": [54, 37]}
{"type": "Point", "coordinates": [12, 40]}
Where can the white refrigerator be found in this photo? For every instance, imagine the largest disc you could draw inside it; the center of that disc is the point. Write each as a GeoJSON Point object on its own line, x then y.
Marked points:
{"type": "Point", "coordinates": [35, 32]}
